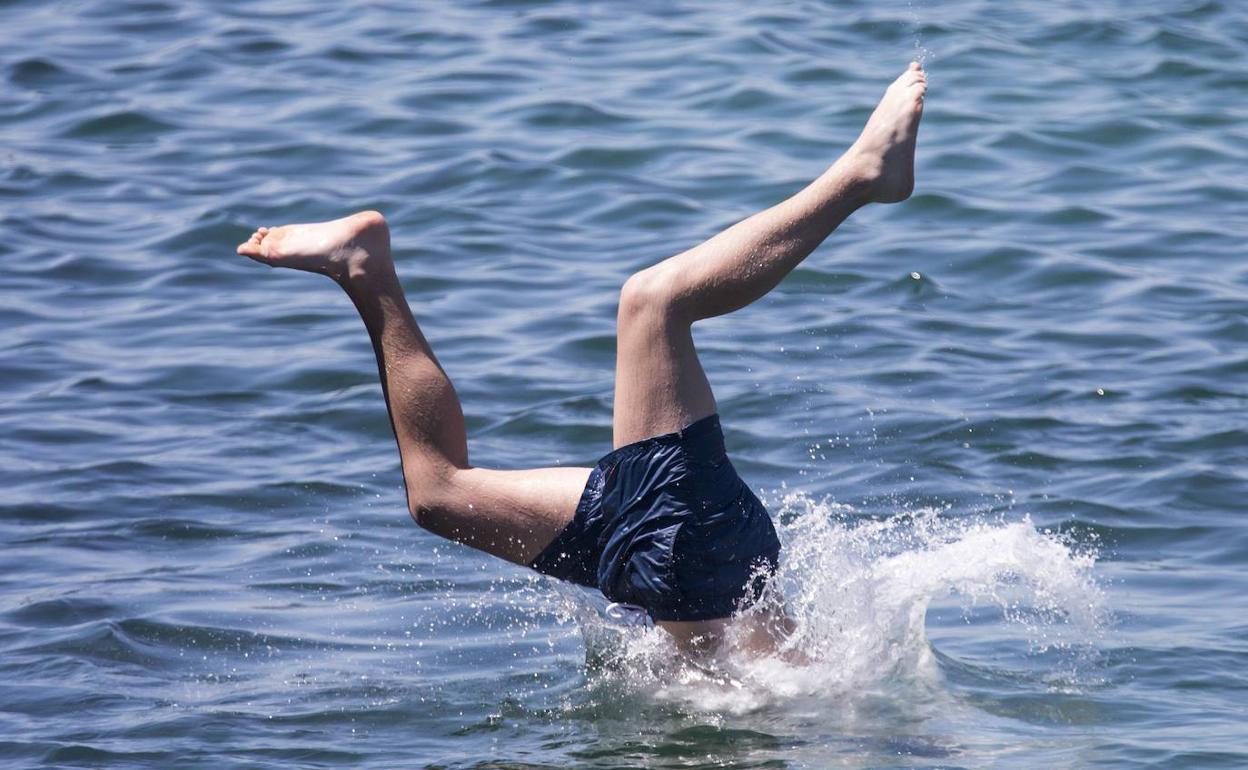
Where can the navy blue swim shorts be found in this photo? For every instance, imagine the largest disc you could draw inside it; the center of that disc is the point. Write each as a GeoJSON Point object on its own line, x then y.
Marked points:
{"type": "Point", "coordinates": [667, 524]}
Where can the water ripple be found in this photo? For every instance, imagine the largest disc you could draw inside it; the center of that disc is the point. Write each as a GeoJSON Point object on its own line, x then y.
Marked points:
{"type": "Point", "coordinates": [207, 543]}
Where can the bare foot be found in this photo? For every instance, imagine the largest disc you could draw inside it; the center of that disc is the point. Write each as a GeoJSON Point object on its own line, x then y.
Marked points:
{"type": "Point", "coordinates": [340, 249]}
{"type": "Point", "coordinates": [884, 152]}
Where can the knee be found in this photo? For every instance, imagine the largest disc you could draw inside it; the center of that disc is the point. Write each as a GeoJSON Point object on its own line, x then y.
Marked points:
{"type": "Point", "coordinates": [427, 495]}
{"type": "Point", "coordinates": [649, 293]}
{"type": "Point", "coordinates": [420, 510]}
{"type": "Point", "coordinates": [420, 507]}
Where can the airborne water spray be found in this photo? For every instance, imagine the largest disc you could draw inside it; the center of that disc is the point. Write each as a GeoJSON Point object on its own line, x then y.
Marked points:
{"type": "Point", "coordinates": [921, 53]}
{"type": "Point", "coordinates": [859, 589]}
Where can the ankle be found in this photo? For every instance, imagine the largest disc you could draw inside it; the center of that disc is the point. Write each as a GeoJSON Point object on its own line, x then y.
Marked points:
{"type": "Point", "coordinates": [367, 271]}
{"type": "Point", "coordinates": [860, 173]}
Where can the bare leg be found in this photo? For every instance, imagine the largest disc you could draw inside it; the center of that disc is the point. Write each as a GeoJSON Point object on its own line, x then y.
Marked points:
{"type": "Point", "coordinates": [511, 514]}
{"type": "Point", "coordinates": [660, 386]}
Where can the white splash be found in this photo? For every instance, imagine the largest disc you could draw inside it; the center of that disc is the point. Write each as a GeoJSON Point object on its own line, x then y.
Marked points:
{"type": "Point", "coordinates": [859, 590]}
{"type": "Point", "coordinates": [922, 54]}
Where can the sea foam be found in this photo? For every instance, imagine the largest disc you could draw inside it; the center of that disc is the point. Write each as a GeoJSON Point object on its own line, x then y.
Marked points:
{"type": "Point", "coordinates": [858, 589]}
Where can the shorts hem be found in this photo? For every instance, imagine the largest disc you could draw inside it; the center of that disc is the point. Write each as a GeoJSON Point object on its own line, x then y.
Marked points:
{"type": "Point", "coordinates": [559, 558]}
{"type": "Point", "coordinates": [703, 426]}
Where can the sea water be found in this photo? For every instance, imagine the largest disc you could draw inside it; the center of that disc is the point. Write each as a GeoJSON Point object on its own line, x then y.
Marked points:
{"type": "Point", "coordinates": [1000, 426]}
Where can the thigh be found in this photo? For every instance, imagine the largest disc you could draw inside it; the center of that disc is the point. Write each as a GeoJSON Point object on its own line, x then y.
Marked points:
{"type": "Point", "coordinates": [660, 386]}
{"type": "Point", "coordinates": [512, 514]}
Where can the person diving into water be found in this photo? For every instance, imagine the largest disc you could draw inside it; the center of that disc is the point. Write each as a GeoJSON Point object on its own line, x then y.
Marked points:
{"type": "Point", "coordinates": [663, 521]}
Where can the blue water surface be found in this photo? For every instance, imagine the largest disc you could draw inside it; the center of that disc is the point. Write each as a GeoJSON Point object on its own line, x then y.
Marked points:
{"type": "Point", "coordinates": [206, 558]}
